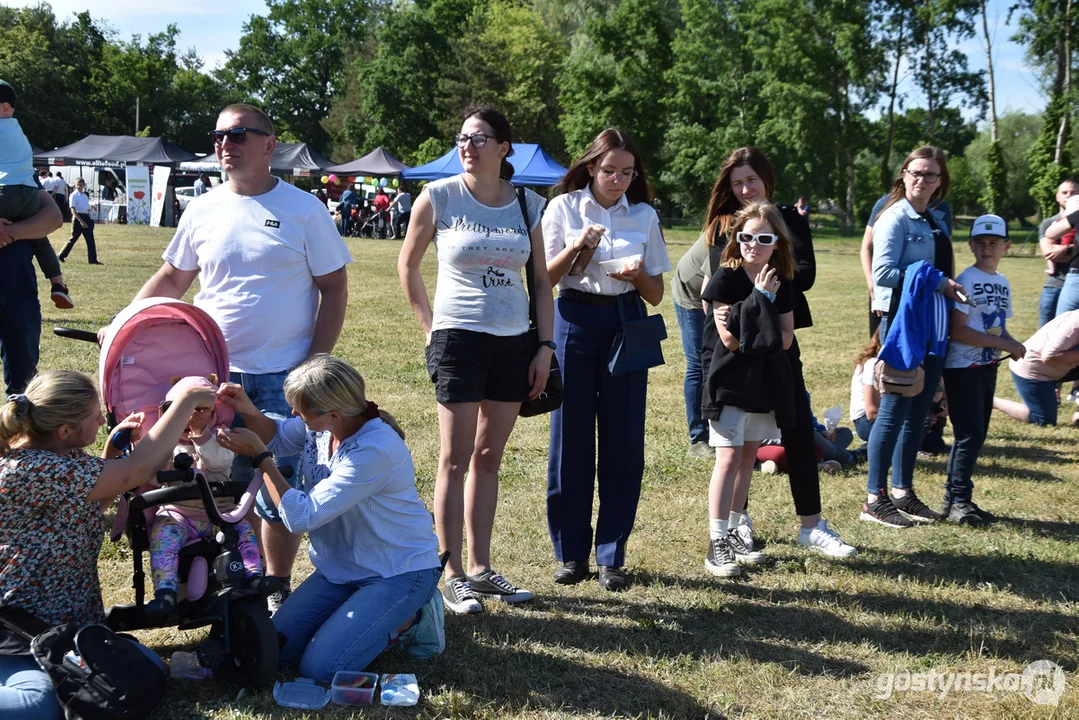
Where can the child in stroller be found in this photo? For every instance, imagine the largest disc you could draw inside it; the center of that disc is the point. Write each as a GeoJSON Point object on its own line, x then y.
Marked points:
{"type": "Point", "coordinates": [181, 522]}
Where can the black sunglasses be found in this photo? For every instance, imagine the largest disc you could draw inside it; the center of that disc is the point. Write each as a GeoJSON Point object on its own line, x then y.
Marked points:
{"type": "Point", "coordinates": [237, 135]}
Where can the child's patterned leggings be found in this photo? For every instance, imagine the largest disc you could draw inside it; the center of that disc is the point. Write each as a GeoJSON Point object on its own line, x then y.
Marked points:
{"type": "Point", "coordinates": [169, 534]}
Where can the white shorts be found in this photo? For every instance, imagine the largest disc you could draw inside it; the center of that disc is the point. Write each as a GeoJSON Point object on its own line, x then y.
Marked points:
{"type": "Point", "coordinates": [736, 427]}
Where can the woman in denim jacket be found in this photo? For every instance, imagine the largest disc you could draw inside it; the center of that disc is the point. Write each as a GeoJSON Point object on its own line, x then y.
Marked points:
{"type": "Point", "coordinates": [906, 232]}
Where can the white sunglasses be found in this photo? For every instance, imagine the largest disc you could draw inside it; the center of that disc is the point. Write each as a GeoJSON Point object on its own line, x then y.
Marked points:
{"type": "Point", "coordinates": [761, 238]}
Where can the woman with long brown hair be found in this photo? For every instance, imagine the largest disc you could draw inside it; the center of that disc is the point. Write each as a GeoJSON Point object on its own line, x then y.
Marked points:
{"type": "Point", "coordinates": [907, 231]}
{"type": "Point", "coordinates": [601, 213]}
{"type": "Point", "coordinates": [747, 176]}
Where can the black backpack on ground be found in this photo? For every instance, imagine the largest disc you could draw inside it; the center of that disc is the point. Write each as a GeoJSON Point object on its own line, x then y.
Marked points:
{"type": "Point", "coordinates": [115, 679]}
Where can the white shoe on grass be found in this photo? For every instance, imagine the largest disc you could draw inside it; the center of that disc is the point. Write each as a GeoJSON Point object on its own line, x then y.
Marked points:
{"type": "Point", "coordinates": [826, 541]}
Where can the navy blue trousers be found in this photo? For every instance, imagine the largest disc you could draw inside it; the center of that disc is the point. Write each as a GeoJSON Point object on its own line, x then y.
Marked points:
{"type": "Point", "coordinates": [594, 399]}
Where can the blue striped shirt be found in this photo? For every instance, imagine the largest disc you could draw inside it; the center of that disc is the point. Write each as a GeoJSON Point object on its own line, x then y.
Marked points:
{"type": "Point", "coordinates": [359, 506]}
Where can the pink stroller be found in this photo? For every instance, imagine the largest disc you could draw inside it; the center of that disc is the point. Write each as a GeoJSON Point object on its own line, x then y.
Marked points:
{"type": "Point", "coordinates": [149, 343]}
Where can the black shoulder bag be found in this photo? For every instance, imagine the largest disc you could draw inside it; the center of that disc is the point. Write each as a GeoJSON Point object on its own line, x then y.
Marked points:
{"type": "Point", "coordinates": [551, 397]}
{"type": "Point", "coordinates": [98, 675]}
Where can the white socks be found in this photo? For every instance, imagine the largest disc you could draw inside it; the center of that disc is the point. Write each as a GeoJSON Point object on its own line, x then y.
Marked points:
{"type": "Point", "coordinates": [717, 529]}
{"type": "Point", "coordinates": [737, 519]}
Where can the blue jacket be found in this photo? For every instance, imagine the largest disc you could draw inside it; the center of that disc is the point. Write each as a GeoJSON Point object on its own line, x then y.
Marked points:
{"type": "Point", "coordinates": [901, 236]}
{"type": "Point", "coordinates": [921, 322]}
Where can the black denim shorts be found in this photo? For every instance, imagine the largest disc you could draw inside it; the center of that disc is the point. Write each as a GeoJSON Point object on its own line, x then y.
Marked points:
{"type": "Point", "coordinates": [470, 366]}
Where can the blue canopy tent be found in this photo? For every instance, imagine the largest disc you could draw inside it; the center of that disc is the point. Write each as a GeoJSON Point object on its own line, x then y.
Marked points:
{"type": "Point", "coordinates": [531, 166]}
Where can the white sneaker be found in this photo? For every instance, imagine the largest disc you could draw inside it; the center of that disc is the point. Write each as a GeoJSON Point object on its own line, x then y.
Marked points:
{"type": "Point", "coordinates": [744, 533]}
{"type": "Point", "coordinates": [744, 555]}
{"type": "Point", "coordinates": [831, 467]}
{"type": "Point", "coordinates": [824, 540]}
{"type": "Point", "coordinates": [769, 467]}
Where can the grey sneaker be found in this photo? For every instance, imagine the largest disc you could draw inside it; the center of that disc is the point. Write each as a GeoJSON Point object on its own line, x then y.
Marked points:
{"type": "Point", "coordinates": [490, 584]}
{"type": "Point", "coordinates": [720, 559]}
{"type": "Point", "coordinates": [743, 554]}
{"type": "Point", "coordinates": [276, 599]}
{"type": "Point", "coordinates": [458, 596]}
{"type": "Point", "coordinates": [701, 450]}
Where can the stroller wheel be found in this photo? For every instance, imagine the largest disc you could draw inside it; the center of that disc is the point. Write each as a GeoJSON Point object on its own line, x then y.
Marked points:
{"type": "Point", "coordinates": [253, 645]}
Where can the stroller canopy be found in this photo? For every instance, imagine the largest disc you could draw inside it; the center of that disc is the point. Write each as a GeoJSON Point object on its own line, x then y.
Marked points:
{"type": "Point", "coordinates": [151, 342]}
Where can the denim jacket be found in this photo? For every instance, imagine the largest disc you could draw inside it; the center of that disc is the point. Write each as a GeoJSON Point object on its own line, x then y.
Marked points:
{"type": "Point", "coordinates": [901, 237]}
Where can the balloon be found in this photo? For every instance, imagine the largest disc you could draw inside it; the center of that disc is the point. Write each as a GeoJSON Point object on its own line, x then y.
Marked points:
{"type": "Point", "coordinates": [333, 179]}
{"type": "Point", "coordinates": [366, 180]}
{"type": "Point", "coordinates": [396, 183]}
{"type": "Point", "coordinates": [384, 182]}
{"type": "Point", "coordinates": [325, 180]}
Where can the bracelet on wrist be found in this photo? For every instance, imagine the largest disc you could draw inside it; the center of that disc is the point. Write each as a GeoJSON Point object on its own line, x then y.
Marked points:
{"type": "Point", "coordinates": [257, 460]}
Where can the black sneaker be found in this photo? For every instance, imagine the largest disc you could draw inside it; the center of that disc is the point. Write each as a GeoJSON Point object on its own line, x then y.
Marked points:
{"type": "Point", "coordinates": [61, 298]}
{"type": "Point", "coordinates": [914, 509]}
{"type": "Point", "coordinates": [490, 584]}
{"type": "Point", "coordinates": [883, 512]}
{"type": "Point", "coordinates": [743, 553]}
{"type": "Point", "coordinates": [720, 559]}
{"type": "Point", "coordinates": [964, 513]}
{"type": "Point", "coordinates": [458, 596]}
{"type": "Point", "coordinates": [277, 598]}
{"type": "Point", "coordinates": [985, 514]}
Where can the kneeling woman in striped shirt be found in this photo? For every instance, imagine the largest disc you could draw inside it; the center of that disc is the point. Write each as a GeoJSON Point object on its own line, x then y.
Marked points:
{"type": "Point", "coordinates": [372, 541]}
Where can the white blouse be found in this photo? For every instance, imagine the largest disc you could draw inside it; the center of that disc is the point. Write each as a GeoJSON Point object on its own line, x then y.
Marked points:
{"type": "Point", "coordinates": [631, 230]}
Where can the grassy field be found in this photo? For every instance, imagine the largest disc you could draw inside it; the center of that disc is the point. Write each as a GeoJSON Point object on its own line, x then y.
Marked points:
{"type": "Point", "coordinates": [801, 637]}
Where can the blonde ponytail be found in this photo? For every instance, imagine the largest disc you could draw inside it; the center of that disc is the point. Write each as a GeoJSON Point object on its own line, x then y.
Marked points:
{"type": "Point", "coordinates": [53, 399]}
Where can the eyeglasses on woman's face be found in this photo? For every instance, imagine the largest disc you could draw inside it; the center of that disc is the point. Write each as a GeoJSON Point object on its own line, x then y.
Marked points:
{"type": "Point", "coordinates": [760, 238]}
{"type": "Point", "coordinates": [617, 175]}
{"type": "Point", "coordinates": [478, 140]}
{"type": "Point", "coordinates": [929, 178]}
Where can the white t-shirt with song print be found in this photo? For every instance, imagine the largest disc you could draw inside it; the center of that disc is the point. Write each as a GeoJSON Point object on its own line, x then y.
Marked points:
{"type": "Point", "coordinates": [481, 252]}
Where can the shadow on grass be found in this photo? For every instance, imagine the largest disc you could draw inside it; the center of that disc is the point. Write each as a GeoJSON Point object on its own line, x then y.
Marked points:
{"type": "Point", "coordinates": [1012, 471]}
{"type": "Point", "coordinates": [1019, 451]}
{"type": "Point", "coordinates": [1056, 530]}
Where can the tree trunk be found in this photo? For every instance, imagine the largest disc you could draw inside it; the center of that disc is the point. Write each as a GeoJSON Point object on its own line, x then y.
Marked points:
{"type": "Point", "coordinates": [886, 160]}
{"type": "Point", "coordinates": [1066, 60]}
{"type": "Point", "coordinates": [992, 84]}
{"type": "Point", "coordinates": [929, 73]}
{"type": "Point", "coordinates": [848, 209]}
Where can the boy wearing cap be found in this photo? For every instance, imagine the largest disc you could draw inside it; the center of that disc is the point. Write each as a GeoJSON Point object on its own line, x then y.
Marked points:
{"type": "Point", "coordinates": [19, 190]}
{"type": "Point", "coordinates": [977, 336]}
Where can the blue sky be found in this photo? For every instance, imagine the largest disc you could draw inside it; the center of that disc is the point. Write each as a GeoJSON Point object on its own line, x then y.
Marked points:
{"type": "Point", "coordinates": [213, 26]}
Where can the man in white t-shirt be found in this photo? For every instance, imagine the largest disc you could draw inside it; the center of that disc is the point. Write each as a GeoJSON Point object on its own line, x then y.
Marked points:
{"type": "Point", "coordinates": [271, 270]}
{"type": "Point", "coordinates": [81, 224]}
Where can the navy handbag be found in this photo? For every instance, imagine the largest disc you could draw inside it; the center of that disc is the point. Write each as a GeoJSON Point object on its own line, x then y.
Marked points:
{"type": "Point", "coordinates": [637, 343]}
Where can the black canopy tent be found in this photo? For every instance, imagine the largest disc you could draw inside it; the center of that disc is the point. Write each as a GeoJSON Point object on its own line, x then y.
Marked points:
{"type": "Point", "coordinates": [115, 151]}
{"type": "Point", "coordinates": [288, 159]}
{"type": "Point", "coordinates": [377, 163]}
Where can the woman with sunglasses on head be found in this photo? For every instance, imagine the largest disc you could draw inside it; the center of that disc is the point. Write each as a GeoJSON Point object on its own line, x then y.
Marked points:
{"type": "Point", "coordinates": [747, 176]}
{"type": "Point", "coordinates": [907, 231]}
{"type": "Point", "coordinates": [480, 353]}
{"type": "Point", "coordinates": [601, 213]}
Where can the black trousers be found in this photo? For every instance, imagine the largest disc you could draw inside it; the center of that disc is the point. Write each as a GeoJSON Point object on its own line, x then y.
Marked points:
{"type": "Point", "coordinates": [970, 407]}
{"type": "Point", "coordinates": [88, 232]}
{"type": "Point", "coordinates": [800, 445]}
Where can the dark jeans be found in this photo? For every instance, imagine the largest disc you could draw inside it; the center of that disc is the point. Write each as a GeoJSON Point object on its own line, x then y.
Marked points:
{"type": "Point", "coordinates": [1040, 397]}
{"type": "Point", "coordinates": [874, 319]}
{"type": "Point", "coordinates": [800, 443]}
{"type": "Point", "coordinates": [691, 327]}
{"type": "Point", "coordinates": [863, 426]}
{"type": "Point", "coordinates": [20, 336]}
{"type": "Point", "coordinates": [1047, 305]}
{"type": "Point", "coordinates": [19, 202]}
{"type": "Point", "coordinates": [46, 258]}
{"type": "Point", "coordinates": [970, 405]}
{"type": "Point", "coordinates": [88, 232]}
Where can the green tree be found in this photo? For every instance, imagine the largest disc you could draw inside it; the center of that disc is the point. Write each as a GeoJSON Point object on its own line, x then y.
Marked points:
{"type": "Point", "coordinates": [293, 61]}
{"type": "Point", "coordinates": [1016, 132]}
{"type": "Point", "coordinates": [996, 180]}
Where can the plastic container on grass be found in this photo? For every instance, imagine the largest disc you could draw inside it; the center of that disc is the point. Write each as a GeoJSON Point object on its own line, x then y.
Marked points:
{"type": "Point", "coordinates": [185, 666]}
{"type": "Point", "coordinates": [353, 688]}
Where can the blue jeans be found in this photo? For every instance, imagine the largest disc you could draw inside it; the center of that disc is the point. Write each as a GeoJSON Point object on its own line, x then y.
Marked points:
{"type": "Point", "coordinates": [20, 337]}
{"type": "Point", "coordinates": [27, 691]}
{"type": "Point", "coordinates": [1040, 397]}
{"type": "Point", "coordinates": [898, 430]}
{"type": "Point", "coordinates": [691, 327]}
{"type": "Point", "coordinates": [330, 627]}
{"type": "Point", "coordinates": [268, 393]}
{"type": "Point", "coordinates": [1047, 305]}
{"type": "Point", "coordinates": [1069, 294]}
{"type": "Point", "coordinates": [863, 426]}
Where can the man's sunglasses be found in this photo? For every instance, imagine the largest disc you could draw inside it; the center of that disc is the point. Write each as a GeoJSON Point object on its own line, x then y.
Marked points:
{"type": "Point", "coordinates": [237, 135]}
{"type": "Point", "coordinates": [762, 238]}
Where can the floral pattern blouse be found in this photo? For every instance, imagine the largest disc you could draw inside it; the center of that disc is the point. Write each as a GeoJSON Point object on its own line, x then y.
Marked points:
{"type": "Point", "coordinates": [50, 535]}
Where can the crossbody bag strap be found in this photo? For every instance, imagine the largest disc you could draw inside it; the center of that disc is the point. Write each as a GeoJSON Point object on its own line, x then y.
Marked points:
{"type": "Point", "coordinates": [530, 282]}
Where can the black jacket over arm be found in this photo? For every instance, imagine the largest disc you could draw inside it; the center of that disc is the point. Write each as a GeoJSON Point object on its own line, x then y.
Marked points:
{"type": "Point", "coordinates": [805, 271]}
{"type": "Point", "coordinates": [757, 377]}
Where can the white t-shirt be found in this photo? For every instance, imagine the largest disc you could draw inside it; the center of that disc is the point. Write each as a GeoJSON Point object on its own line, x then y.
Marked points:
{"type": "Point", "coordinates": [59, 185]}
{"type": "Point", "coordinates": [481, 251]}
{"type": "Point", "coordinates": [990, 306]}
{"type": "Point", "coordinates": [79, 203]}
{"type": "Point", "coordinates": [863, 375]}
{"type": "Point", "coordinates": [403, 201]}
{"type": "Point", "coordinates": [631, 230]}
{"type": "Point", "coordinates": [257, 257]}
{"type": "Point", "coordinates": [49, 184]}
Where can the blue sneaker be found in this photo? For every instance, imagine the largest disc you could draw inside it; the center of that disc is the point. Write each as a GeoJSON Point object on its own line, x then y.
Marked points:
{"type": "Point", "coordinates": [427, 637]}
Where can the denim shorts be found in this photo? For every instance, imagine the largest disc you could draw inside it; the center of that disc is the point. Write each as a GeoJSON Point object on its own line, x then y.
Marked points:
{"type": "Point", "coordinates": [1040, 397]}
{"type": "Point", "coordinates": [268, 394]}
{"type": "Point", "coordinates": [470, 366]}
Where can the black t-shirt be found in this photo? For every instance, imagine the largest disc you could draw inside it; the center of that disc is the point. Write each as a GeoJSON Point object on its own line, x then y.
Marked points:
{"type": "Point", "coordinates": [730, 285]}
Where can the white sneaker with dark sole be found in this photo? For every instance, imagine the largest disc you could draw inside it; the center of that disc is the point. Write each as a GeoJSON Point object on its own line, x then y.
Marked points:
{"type": "Point", "coordinates": [458, 597]}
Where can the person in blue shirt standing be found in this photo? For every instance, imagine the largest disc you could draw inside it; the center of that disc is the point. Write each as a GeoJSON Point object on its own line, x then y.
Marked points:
{"type": "Point", "coordinates": [907, 231]}
{"type": "Point", "coordinates": [372, 540]}
{"type": "Point", "coordinates": [344, 208]}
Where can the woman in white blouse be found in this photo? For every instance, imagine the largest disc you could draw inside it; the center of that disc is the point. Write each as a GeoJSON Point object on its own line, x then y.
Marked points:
{"type": "Point", "coordinates": [372, 544]}
{"type": "Point", "coordinates": [602, 208]}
